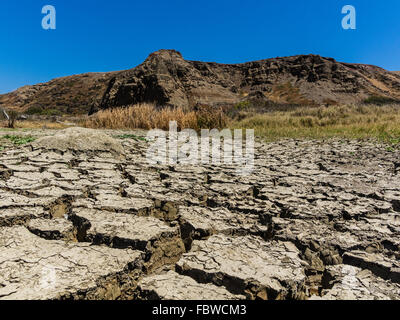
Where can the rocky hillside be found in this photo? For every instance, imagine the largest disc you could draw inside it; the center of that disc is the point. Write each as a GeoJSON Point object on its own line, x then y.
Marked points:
{"type": "Point", "coordinates": [167, 79]}
{"type": "Point", "coordinates": [71, 95]}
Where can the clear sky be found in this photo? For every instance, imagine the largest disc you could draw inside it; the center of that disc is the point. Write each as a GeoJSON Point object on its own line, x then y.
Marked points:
{"type": "Point", "coordinates": [109, 35]}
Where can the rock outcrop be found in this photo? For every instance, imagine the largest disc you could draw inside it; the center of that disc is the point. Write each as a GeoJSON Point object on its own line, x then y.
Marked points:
{"type": "Point", "coordinates": [165, 78]}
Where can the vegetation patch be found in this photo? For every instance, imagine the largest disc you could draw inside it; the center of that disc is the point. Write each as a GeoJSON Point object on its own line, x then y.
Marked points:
{"type": "Point", "coordinates": [287, 93]}
{"type": "Point", "coordinates": [19, 140]}
{"type": "Point", "coordinates": [280, 122]}
{"type": "Point", "coordinates": [130, 136]}
{"type": "Point", "coordinates": [36, 110]}
{"type": "Point", "coordinates": [349, 121]}
{"type": "Point", "coordinates": [380, 101]}
{"type": "Point", "coordinates": [148, 116]}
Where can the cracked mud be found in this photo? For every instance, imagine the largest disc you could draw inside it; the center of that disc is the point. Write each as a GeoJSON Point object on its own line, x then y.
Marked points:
{"type": "Point", "coordinates": [84, 216]}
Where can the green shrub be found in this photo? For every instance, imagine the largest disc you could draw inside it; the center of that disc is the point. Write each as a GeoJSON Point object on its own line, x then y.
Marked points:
{"type": "Point", "coordinates": [34, 110]}
{"type": "Point", "coordinates": [243, 105]}
{"type": "Point", "coordinates": [380, 101]}
{"type": "Point", "coordinates": [19, 140]}
{"type": "Point", "coordinates": [51, 112]}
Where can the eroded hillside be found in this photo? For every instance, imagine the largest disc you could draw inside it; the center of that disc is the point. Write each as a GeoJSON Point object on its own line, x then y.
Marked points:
{"type": "Point", "coordinates": [166, 78]}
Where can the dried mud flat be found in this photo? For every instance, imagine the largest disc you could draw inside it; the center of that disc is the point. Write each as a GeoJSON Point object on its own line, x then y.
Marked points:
{"type": "Point", "coordinates": [84, 216]}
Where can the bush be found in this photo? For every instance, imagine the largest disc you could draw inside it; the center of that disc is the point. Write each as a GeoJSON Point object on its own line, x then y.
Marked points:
{"type": "Point", "coordinates": [36, 110]}
{"type": "Point", "coordinates": [243, 105]}
{"type": "Point", "coordinates": [51, 112]}
{"type": "Point", "coordinates": [380, 101]}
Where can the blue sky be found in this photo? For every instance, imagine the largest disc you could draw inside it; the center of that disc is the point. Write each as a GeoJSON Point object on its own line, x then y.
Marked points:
{"type": "Point", "coordinates": [100, 35]}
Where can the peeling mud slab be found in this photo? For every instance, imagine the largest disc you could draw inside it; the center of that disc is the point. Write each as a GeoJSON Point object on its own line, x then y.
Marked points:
{"type": "Point", "coordinates": [13, 200]}
{"type": "Point", "coordinates": [114, 202]}
{"type": "Point", "coordinates": [202, 222]}
{"type": "Point", "coordinates": [34, 268]}
{"type": "Point", "coordinates": [380, 265]}
{"type": "Point", "coordinates": [53, 229]}
{"type": "Point", "coordinates": [19, 215]}
{"type": "Point", "coordinates": [351, 283]}
{"type": "Point", "coordinates": [173, 286]}
{"type": "Point", "coordinates": [247, 265]}
{"type": "Point", "coordinates": [161, 242]}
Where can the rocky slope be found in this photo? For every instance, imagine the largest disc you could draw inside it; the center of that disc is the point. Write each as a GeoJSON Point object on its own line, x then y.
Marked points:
{"type": "Point", "coordinates": [315, 220]}
{"type": "Point", "coordinates": [69, 95]}
{"type": "Point", "coordinates": [165, 78]}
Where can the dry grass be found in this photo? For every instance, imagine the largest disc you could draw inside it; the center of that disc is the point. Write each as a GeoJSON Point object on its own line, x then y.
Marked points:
{"type": "Point", "coordinates": [287, 93]}
{"type": "Point", "coordinates": [355, 122]}
{"type": "Point", "coordinates": [39, 124]}
{"type": "Point", "coordinates": [147, 116]}
{"type": "Point", "coordinates": [349, 121]}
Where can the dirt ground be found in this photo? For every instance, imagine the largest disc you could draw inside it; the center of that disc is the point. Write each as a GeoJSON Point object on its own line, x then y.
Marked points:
{"type": "Point", "coordinates": [314, 220]}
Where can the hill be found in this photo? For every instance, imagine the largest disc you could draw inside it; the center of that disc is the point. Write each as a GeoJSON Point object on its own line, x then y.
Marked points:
{"type": "Point", "coordinates": [167, 79]}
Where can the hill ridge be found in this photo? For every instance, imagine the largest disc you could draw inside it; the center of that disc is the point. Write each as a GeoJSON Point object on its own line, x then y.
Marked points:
{"type": "Point", "coordinates": [167, 79]}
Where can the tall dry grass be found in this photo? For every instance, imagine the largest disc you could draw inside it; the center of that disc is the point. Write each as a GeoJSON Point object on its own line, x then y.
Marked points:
{"type": "Point", "coordinates": [147, 116]}
{"type": "Point", "coordinates": [347, 121]}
